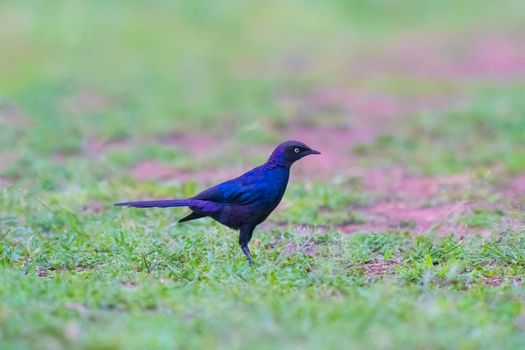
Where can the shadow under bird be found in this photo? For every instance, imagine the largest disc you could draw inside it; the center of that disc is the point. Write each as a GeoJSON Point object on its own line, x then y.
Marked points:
{"type": "Point", "coordinates": [244, 202]}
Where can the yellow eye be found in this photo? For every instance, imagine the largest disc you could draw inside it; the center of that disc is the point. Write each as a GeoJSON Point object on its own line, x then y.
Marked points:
{"type": "Point", "coordinates": [296, 150]}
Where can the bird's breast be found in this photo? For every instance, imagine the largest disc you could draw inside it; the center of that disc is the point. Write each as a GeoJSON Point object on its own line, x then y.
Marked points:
{"type": "Point", "coordinates": [275, 186]}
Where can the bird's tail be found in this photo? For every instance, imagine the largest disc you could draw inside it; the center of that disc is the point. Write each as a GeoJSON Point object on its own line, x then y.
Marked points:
{"type": "Point", "coordinates": [163, 203]}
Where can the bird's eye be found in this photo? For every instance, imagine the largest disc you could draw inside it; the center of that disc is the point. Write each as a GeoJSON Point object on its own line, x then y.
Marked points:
{"type": "Point", "coordinates": [296, 150]}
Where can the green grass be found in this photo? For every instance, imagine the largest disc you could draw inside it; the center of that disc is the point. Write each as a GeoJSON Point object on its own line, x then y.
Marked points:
{"type": "Point", "coordinates": [129, 76]}
{"type": "Point", "coordinates": [133, 280]}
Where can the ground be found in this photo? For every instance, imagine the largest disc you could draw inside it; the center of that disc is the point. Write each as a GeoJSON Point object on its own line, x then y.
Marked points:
{"type": "Point", "coordinates": [408, 232]}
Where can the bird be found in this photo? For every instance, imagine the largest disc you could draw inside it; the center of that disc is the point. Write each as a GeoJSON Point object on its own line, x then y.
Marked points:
{"type": "Point", "coordinates": [243, 202]}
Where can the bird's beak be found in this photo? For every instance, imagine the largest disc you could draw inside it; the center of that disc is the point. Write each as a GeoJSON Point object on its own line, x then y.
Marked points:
{"type": "Point", "coordinates": [313, 151]}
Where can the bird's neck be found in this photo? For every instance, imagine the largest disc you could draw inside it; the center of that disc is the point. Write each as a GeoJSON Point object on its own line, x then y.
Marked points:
{"type": "Point", "coordinates": [278, 160]}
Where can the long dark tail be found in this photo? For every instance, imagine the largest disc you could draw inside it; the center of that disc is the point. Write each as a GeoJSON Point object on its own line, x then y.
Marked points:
{"type": "Point", "coordinates": [163, 203]}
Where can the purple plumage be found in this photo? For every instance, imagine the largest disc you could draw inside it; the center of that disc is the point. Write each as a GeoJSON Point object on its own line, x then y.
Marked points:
{"type": "Point", "coordinates": [244, 202]}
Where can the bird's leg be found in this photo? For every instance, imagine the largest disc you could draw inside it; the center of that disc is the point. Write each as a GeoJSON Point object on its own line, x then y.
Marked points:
{"type": "Point", "coordinates": [246, 252]}
{"type": "Point", "coordinates": [244, 238]}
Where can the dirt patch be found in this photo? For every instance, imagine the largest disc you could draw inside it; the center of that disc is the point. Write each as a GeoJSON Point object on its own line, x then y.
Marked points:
{"type": "Point", "coordinates": [372, 107]}
{"type": "Point", "coordinates": [154, 170]}
{"type": "Point", "coordinates": [365, 116]}
{"type": "Point", "coordinates": [395, 216]}
{"type": "Point", "coordinates": [487, 56]}
{"type": "Point", "coordinates": [397, 183]}
{"type": "Point", "coordinates": [12, 115]}
{"type": "Point", "coordinates": [358, 103]}
{"type": "Point", "coordinates": [368, 227]}
{"type": "Point", "coordinates": [493, 281]}
{"type": "Point", "coordinates": [402, 215]}
{"type": "Point", "coordinates": [419, 218]}
{"type": "Point", "coordinates": [335, 144]}
{"type": "Point", "coordinates": [403, 199]}
{"type": "Point", "coordinates": [197, 144]}
{"type": "Point", "coordinates": [376, 269]}
{"type": "Point", "coordinates": [516, 187]}
{"type": "Point", "coordinates": [408, 202]}
{"type": "Point", "coordinates": [4, 182]}
{"type": "Point", "coordinates": [213, 176]}
{"type": "Point", "coordinates": [42, 272]}
{"type": "Point", "coordinates": [496, 56]}
{"type": "Point", "coordinates": [307, 249]}
{"type": "Point", "coordinates": [498, 281]}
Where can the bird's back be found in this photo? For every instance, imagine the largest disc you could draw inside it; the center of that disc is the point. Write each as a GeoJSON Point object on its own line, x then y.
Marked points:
{"type": "Point", "coordinates": [248, 198]}
{"type": "Point", "coordinates": [260, 183]}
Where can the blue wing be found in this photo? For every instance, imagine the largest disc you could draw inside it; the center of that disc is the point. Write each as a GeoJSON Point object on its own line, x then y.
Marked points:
{"type": "Point", "coordinates": [243, 190]}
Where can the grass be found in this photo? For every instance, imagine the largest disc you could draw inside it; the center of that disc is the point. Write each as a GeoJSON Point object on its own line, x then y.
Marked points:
{"type": "Point", "coordinates": [90, 91]}
{"type": "Point", "coordinates": [142, 282]}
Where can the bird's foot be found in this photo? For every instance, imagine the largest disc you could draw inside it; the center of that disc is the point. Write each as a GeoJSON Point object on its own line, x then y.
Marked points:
{"type": "Point", "coordinates": [247, 253]}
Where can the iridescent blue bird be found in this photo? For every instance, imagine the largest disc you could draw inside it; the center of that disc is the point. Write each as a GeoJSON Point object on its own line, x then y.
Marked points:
{"type": "Point", "coordinates": [246, 201]}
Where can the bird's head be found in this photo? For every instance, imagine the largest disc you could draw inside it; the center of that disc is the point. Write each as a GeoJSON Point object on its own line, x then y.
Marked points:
{"type": "Point", "coordinates": [290, 151]}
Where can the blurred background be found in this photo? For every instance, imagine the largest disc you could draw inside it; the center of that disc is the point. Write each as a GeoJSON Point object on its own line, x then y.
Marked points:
{"type": "Point", "coordinates": [89, 88]}
{"type": "Point", "coordinates": [417, 106]}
